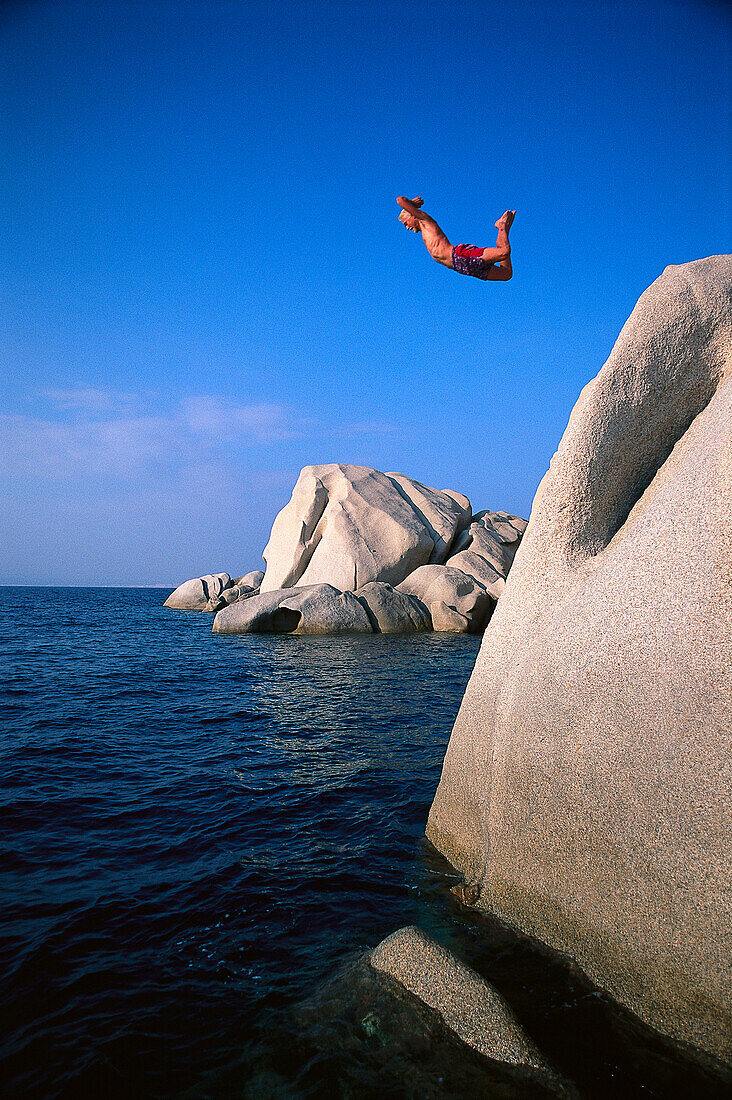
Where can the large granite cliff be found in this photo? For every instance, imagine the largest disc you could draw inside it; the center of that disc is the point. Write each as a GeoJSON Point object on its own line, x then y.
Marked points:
{"type": "Point", "coordinates": [585, 790]}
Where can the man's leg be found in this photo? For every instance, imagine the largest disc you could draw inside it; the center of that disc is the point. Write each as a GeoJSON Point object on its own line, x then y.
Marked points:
{"type": "Point", "coordinates": [501, 254]}
{"type": "Point", "coordinates": [435, 240]}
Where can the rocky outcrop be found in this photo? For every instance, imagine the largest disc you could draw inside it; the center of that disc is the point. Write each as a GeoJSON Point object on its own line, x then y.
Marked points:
{"type": "Point", "coordinates": [586, 788]}
{"type": "Point", "coordinates": [214, 591]}
{"type": "Point", "coordinates": [354, 529]}
{"type": "Point", "coordinates": [322, 609]}
{"type": "Point", "coordinates": [349, 525]}
{"type": "Point", "coordinates": [315, 609]}
{"type": "Point", "coordinates": [251, 580]}
{"type": "Point", "coordinates": [469, 1005]}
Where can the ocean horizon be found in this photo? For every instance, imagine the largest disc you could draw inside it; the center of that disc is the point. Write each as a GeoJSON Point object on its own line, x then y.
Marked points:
{"type": "Point", "coordinates": [161, 587]}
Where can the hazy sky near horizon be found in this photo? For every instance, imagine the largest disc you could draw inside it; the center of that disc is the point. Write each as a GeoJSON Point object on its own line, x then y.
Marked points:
{"type": "Point", "coordinates": [206, 287]}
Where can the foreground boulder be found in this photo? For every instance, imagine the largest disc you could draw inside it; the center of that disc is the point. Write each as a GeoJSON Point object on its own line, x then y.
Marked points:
{"type": "Point", "coordinates": [378, 1038]}
{"type": "Point", "coordinates": [585, 789]}
{"type": "Point", "coordinates": [469, 1005]}
{"type": "Point", "coordinates": [317, 609]}
{"type": "Point", "coordinates": [349, 525]}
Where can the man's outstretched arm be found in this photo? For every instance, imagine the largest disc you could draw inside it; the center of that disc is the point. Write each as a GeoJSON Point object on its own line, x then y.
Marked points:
{"type": "Point", "coordinates": [434, 239]}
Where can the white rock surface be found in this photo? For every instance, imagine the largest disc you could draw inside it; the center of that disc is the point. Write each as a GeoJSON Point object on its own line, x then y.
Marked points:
{"type": "Point", "coordinates": [487, 548]}
{"type": "Point", "coordinates": [315, 609]}
{"type": "Point", "coordinates": [506, 527]}
{"type": "Point", "coordinates": [348, 525]}
{"type": "Point", "coordinates": [456, 601]}
{"type": "Point", "coordinates": [586, 787]}
{"type": "Point", "coordinates": [251, 580]}
{"type": "Point", "coordinates": [214, 591]}
{"type": "Point", "coordinates": [394, 612]}
{"type": "Point", "coordinates": [194, 595]}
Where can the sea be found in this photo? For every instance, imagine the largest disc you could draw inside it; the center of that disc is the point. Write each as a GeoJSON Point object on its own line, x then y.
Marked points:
{"type": "Point", "coordinates": [202, 837]}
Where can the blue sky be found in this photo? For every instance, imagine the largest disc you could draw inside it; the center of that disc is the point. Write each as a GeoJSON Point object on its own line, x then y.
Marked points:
{"type": "Point", "coordinates": [206, 287]}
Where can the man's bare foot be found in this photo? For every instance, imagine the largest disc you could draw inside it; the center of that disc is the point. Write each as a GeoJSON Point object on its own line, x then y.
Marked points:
{"type": "Point", "coordinates": [506, 220]}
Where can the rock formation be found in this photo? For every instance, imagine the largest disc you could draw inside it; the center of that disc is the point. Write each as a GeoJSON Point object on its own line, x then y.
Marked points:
{"type": "Point", "coordinates": [353, 530]}
{"type": "Point", "coordinates": [196, 594]}
{"type": "Point", "coordinates": [455, 600]}
{"type": "Point", "coordinates": [213, 591]}
{"type": "Point", "coordinates": [487, 548]}
{"type": "Point", "coordinates": [393, 612]}
{"type": "Point", "coordinates": [348, 525]}
{"type": "Point", "coordinates": [586, 787]}
{"type": "Point", "coordinates": [314, 609]}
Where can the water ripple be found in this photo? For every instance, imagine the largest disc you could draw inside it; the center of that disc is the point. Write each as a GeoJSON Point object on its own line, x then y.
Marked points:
{"type": "Point", "coordinates": [200, 829]}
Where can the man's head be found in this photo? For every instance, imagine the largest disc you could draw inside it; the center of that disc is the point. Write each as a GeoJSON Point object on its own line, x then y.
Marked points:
{"type": "Point", "coordinates": [409, 221]}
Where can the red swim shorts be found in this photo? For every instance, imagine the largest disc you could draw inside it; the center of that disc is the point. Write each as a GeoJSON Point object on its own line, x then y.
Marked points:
{"type": "Point", "coordinates": [467, 259]}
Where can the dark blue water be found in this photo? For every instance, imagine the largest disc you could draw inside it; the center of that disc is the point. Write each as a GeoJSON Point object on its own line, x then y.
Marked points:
{"type": "Point", "coordinates": [199, 830]}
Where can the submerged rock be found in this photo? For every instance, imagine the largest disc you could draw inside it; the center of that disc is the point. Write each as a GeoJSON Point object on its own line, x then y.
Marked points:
{"type": "Point", "coordinates": [586, 784]}
{"type": "Point", "coordinates": [349, 525]}
{"type": "Point", "coordinates": [469, 1005]}
{"type": "Point", "coordinates": [362, 1034]}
